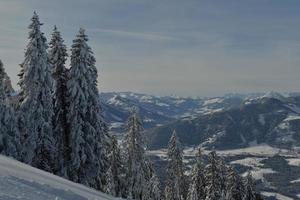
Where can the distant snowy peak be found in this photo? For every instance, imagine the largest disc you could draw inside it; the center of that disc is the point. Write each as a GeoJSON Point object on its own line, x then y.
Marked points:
{"type": "Point", "coordinates": [274, 95]}
{"type": "Point", "coordinates": [116, 100]}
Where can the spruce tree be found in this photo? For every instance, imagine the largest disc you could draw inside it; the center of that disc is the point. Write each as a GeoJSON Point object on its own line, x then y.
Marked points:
{"type": "Point", "coordinates": [175, 176]}
{"type": "Point", "coordinates": [213, 189]}
{"type": "Point", "coordinates": [2, 89]}
{"type": "Point", "coordinates": [154, 188]}
{"type": "Point", "coordinates": [9, 134]}
{"type": "Point", "coordinates": [249, 188]}
{"type": "Point", "coordinates": [35, 106]}
{"type": "Point", "coordinates": [234, 185]}
{"type": "Point", "coordinates": [137, 164]}
{"type": "Point", "coordinates": [88, 138]}
{"type": "Point", "coordinates": [57, 57]}
{"type": "Point", "coordinates": [223, 170]}
{"type": "Point", "coordinates": [110, 187]}
{"type": "Point", "coordinates": [116, 170]}
{"type": "Point", "coordinates": [197, 186]}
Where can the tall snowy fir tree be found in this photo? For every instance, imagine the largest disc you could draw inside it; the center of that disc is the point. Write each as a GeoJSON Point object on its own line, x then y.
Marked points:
{"type": "Point", "coordinates": [154, 192]}
{"type": "Point", "coordinates": [138, 174]}
{"type": "Point", "coordinates": [88, 139]}
{"type": "Point", "coordinates": [36, 110]}
{"type": "Point", "coordinates": [196, 189]}
{"type": "Point", "coordinates": [213, 178]}
{"type": "Point", "coordinates": [2, 89]}
{"type": "Point", "coordinates": [116, 172]}
{"type": "Point", "coordinates": [57, 57]}
{"type": "Point", "coordinates": [249, 188]}
{"type": "Point", "coordinates": [234, 185]}
{"type": "Point", "coordinates": [223, 170]}
{"type": "Point", "coordinates": [9, 134]}
{"type": "Point", "coordinates": [175, 183]}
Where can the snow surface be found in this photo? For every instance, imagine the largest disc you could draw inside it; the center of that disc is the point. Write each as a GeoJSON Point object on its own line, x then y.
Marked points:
{"type": "Point", "coordinates": [294, 161]}
{"type": "Point", "coordinates": [213, 101]}
{"type": "Point", "coordinates": [292, 117]}
{"type": "Point", "coordinates": [278, 196]}
{"type": "Point", "coordinates": [274, 95]}
{"type": "Point", "coordinates": [260, 150]}
{"type": "Point", "coordinates": [20, 181]}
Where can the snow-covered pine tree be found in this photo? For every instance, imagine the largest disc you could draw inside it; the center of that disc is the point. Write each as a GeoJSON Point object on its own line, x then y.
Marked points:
{"type": "Point", "coordinates": [154, 188]}
{"type": "Point", "coordinates": [110, 187]}
{"type": "Point", "coordinates": [213, 189]}
{"type": "Point", "coordinates": [249, 193]}
{"type": "Point", "coordinates": [57, 57]}
{"type": "Point", "coordinates": [35, 106]}
{"type": "Point", "coordinates": [117, 172]}
{"type": "Point", "coordinates": [136, 163]}
{"type": "Point", "coordinates": [175, 182]}
{"type": "Point", "coordinates": [153, 184]}
{"type": "Point", "coordinates": [2, 89]}
{"type": "Point", "coordinates": [234, 185]}
{"type": "Point", "coordinates": [88, 139]}
{"type": "Point", "coordinates": [197, 186]}
{"type": "Point", "coordinates": [9, 134]}
{"type": "Point", "coordinates": [223, 169]}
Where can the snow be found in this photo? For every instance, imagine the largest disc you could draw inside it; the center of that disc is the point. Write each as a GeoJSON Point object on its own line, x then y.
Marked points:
{"type": "Point", "coordinates": [274, 95]}
{"type": "Point", "coordinates": [162, 104]}
{"type": "Point", "coordinates": [162, 153]}
{"type": "Point", "coordinates": [295, 181]}
{"type": "Point", "coordinates": [115, 101]}
{"type": "Point", "coordinates": [294, 108]}
{"type": "Point", "coordinates": [294, 161]}
{"type": "Point", "coordinates": [20, 181]}
{"type": "Point", "coordinates": [254, 163]}
{"type": "Point", "coordinates": [278, 196]}
{"type": "Point", "coordinates": [260, 150]}
{"type": "Point", "coordinates": [258, 173]}
{"type": "Point", "coordinates": [292, 117]}
{"type": "Point", "coordinates": [249, 162]}
{"type": "Point", "coordinates": [116, 125]}
{"type": "Point", "coordinates": [212, 101]}
{"type": "Point", "coordinates": [179, 101]}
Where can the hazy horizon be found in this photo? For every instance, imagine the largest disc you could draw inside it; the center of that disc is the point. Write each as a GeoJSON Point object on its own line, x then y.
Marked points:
{"type": "Point", "coordinates": [184, 48]}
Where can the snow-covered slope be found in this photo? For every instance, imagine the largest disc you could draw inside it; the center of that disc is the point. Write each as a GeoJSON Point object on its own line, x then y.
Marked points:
{"type": "Point", "coordinates": [20, 181]}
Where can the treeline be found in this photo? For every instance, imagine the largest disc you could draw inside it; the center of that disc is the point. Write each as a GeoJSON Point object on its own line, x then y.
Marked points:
{"type": "Point", "coordinates": [56, 125]}
{"type": "Point", "coordinates": [213, 181]}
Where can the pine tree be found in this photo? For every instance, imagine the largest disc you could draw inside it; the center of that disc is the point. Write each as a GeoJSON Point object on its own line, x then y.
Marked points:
{"type": "Point", "coordinates": [213, 189]}
{"type": "Point", "coordinates": [154, 188]}
{"type": "Point", "coordinates": [249, 188]}
{"type": "Point", "coordinates": [2, 89]}
{"type": "Point", "coordinates": [57, 57]}
{"type": "Point", "coordinates": [175, 177]}
{"type": "Point", "coordinates": [234, 186]}
{"type": "Point", "coordinates": [9, 134]}
{"type": "Point", "coordinates": [35, 106]}
{"type": "Point", "coordinates": [88, 139]}
{"type": "Point", "coordinates": [197, 186]}
{"type": "Point", "coordinates": [110, 187]}
{"type": "Point", "coordinates": [137, 164]}
{"type": "Point", "coordinates": [223, 170]}
{"type": "Point", "coordinates": [117, 171]}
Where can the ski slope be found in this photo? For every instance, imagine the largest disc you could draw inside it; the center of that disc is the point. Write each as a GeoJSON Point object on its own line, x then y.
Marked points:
{"type": "Point", "coordinates": [20, 181]}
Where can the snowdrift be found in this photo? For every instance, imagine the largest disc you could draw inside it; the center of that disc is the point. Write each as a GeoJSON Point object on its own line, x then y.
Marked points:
{"type": "Point", "coordinates": [20, 181]}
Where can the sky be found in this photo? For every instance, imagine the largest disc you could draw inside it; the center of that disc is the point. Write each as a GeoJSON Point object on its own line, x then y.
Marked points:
{"type": "Point", "coordinates": [170, 47]}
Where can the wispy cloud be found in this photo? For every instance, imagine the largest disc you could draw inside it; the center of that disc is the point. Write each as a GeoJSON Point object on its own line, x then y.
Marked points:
{"type": "Point", "coordinates": [136, 35]}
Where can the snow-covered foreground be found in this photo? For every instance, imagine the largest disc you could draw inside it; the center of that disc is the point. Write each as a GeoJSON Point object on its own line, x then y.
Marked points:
{"type": "Point", "coordinates": [20, 181]}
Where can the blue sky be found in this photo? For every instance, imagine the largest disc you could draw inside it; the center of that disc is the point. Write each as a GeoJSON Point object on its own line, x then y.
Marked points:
{"type": "Point", "coordinates": [189, 48]}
